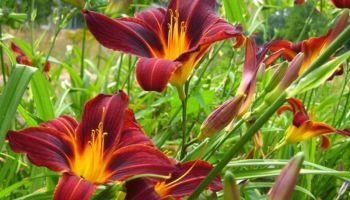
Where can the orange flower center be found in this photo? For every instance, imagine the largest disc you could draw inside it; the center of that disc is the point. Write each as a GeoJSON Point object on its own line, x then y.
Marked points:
{"type": "Point", "coordinates": [91, 164]}
{"type": "Point", "coordinates": [176, 43]}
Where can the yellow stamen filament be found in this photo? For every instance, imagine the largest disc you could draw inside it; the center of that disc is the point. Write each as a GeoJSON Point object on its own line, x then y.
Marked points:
{"type": "Point", "coordinates": [91, 164]}
{"type": "Point", "coordinates": [176, 43]}
{"type": "Point", "coordinates": [162, 188]}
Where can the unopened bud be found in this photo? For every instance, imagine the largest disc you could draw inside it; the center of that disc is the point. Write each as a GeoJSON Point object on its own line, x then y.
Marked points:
{"type": "Point", "coordinates": [222, 116]}
{"type": "Point", "coordinates": [286, 181]}
{"type": "Point", "coordinates": [231, 189]}
{"type": "Point", "coordinates": [277, 76]}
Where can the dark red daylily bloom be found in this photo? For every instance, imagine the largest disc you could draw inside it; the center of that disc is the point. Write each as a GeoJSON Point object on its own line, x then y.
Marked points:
{"type": "Point", "coordinates": [22, 58]}
{"type": "Point", "coordinates": [302, 127]}
{"type": "Point", "coordinates": [239, 104]}
{"type": "Point", "coordinates": [182, 182]}
{"type": "Point", "coordinates": [341, 3]}
{"type": "Point", "coordinates": [311, 47]}
{"type": "Point", "coordinates": [107, 145]}
{"type": "Point", "coordinates": [169, 42]}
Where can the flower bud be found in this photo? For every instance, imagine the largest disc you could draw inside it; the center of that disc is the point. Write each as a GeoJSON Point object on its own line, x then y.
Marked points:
{"type": "Point", "coordinates": [277, 76]}
{"type": "Point", "coordinates": [222, 116]}
{"type": "Point", "coordinates": [231, 189]}
{"type": "Point", "coordinates": [290, 75]}
{"type": "Point", "coordinates": [286, 181]}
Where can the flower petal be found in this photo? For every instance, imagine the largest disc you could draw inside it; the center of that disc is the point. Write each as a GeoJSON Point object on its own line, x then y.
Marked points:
{"type": "Point", "coordinates": [222, 30]}
{"type": "Point", "coordinates": [289, 50]}
{"type": "Point", "coordinates": [325, 142]}
{"type": "Point", "coordinates": [341, 3]}
{"type": "Point", "coordinates": [138, 159]}
{"type": "Point", "coordinates": [141, 188]}
{"type": "Point", "coordinates": [64, 124]}
{"type": "Point", "coordinates": [43, 146]}
{"type": "Point", "coordinates": [108, 110]}
{"type": "Point", "coordinates": [188, 183]}
{"type": "Point", "coordinates": [129, 35]}
{"type": "Point", "coordinates": [132, 132]}
{"type": "Point", "coordinates": [73, 188]}
{"type": "Point", "coordinates": [153, 74]}
{"type": "Point", "coordinates": [153, 18]}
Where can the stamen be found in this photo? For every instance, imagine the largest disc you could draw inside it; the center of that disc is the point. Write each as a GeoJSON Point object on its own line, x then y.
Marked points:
{"type": "Point", "coordinates": [90, 164]}
{"type": "Point", "coordinates": [176, 36]}
{"type": "Point", "coordinates": [162, 188]}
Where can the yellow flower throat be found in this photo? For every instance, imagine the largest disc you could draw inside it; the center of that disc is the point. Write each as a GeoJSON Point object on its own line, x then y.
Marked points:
{"type": "Point", "coordinates": [91, 164]}
{"type": "Point", "coordinates": [176, 43]}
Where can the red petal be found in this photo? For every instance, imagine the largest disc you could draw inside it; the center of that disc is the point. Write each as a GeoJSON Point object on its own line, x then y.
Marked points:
{"type": "Point", "coordinates": [299, 2]}
{"type": "Point", "coordinates": [114, 107]}
{"type": "Point", "coordinates": [141, 188]}
{"type": "Point", "coordinates": [299, 118]}
{"type": "Point", "coordinates": [222, 30]}
{"type": "Point", "coordinates": [138, 159]}
{"type": "Point", "coordinates": [64, 124]}
{"type": "Point", "coordinates": [284, 108]}
{"type": "Point", "coordinates": [130, 35]}
{"type": "Point", "coordinates": [18, 51]}
{"type": "Point", "coordinates": [345, 132]}
{"type": "Point", "coordinates": [153, 18]}
{"type": "Point", "coordinates": [254, 56]}
{"type": "Point", "coordinates": [341, 3]}
{"type": "Point", "coordinates": [300, 114]}
{"type": "Point", "coordinates": [72, 187]}
{"type": "Point", "coordinates": [43, 146]}
{"type": "Point", "coordinates": [297, 105]}
{"type": "Point", "coordinates": [325, 142]}
{"type": "Point", "coordinates": [289, 50]}
{"type": "Point", "coordinates": [154, 74]}
{"type": "Point", "coordinates": [187, 184]}
{"type": "Point", "coordinates": [132, 132]}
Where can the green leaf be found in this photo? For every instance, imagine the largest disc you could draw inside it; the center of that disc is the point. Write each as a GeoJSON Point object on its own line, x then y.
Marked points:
{"type": "Point", "coordinates": [234, 10]}
{"type": "Point", "coordinates": [318, 76]}
{"type": "Point", "coordinates": [41, 96]}
{"type": "Point", "coordinates": [12, 95]}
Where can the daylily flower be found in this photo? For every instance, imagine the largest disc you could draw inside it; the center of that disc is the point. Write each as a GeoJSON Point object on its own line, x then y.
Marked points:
{"type": "Point", "coordinates": [108, 145]}
{"type": "Point", "coordinates": [239, 104]}
{"type": "Point", "coordinates": [302, 127]}
{"type": "Point", "coordinates": [182, 182]}
{"type": "Point", "coordinates": [341, 3]}
{"type": "Point", "coordinates": [311, 47]}
{"type": "Point", "coordinates": [170, 42]}
{"type": "Point", "coordinates": [22, 58]}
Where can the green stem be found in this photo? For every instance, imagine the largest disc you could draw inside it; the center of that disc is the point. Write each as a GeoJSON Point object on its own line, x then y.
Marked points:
{"type": "Point", "coordinates": [82, 64]}
{"type": "Point", "coordinates": [308, 20]}
{"type": "Point", "coordinates": [119, 70]}
{"type": "Point", "coordinates": [239, 145]}
{"type": "Point", "coordinates": [344, 110]}
{"type": "Point", "coordinates": [220, 142]}
{"type": "Point", "coordinates": [32, 26]}
{"type": "Point", "coordinates": [341, 95]}
{"type": "Point", "coordinates": [184, 121]}
{"type": "Point", "coordinates": [2, 58]}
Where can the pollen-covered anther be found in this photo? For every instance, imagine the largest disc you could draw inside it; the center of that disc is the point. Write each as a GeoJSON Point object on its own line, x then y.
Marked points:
{"type": "Point", "coordinates": [177, 43]}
